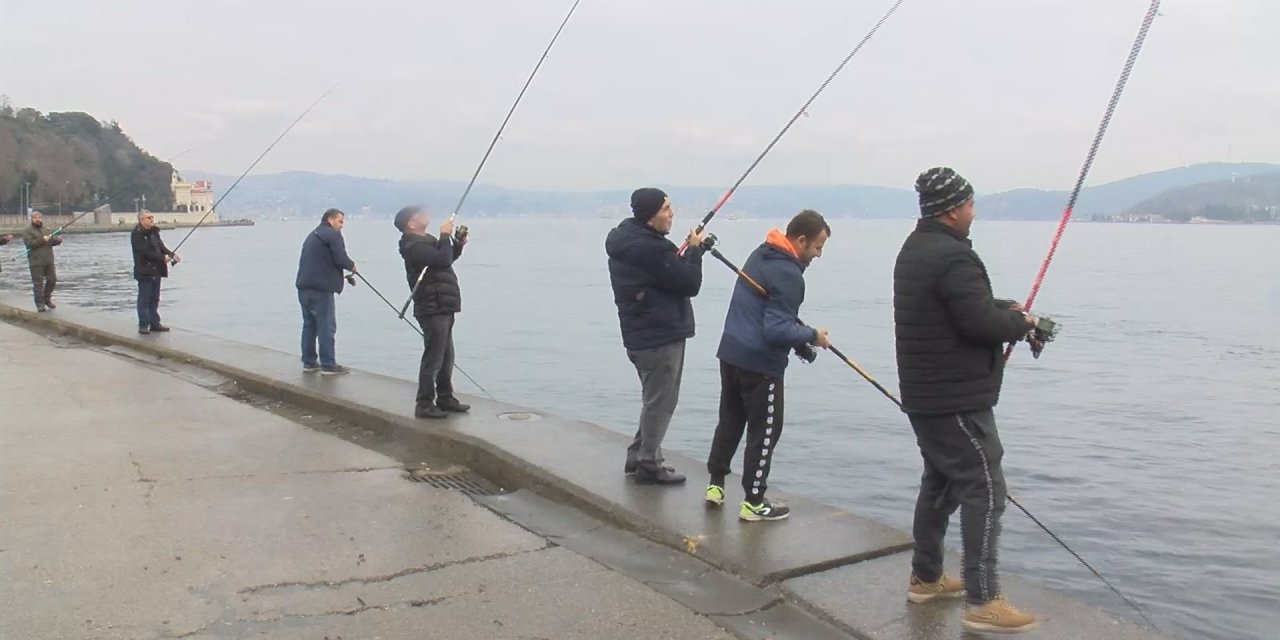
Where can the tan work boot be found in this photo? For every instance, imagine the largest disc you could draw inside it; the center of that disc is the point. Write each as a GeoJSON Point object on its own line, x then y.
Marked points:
{"type": "Point", "coordinates": [944, 587]}
{"type": "Point", "coordinates": [997, 616]}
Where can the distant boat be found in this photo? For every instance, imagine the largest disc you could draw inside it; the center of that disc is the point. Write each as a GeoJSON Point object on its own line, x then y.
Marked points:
{"type": "Point", "coordinates": [731, 216]}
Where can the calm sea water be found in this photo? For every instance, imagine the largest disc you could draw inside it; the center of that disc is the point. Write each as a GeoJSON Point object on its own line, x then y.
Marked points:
{"type": "Point", "coordinates": [1146, 436]}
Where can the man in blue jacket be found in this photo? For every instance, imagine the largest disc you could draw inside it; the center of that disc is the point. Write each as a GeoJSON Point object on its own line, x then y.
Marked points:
{"type": "Point", "coordinates": [759, 333]}
{"type": "Point", "coordinates": [652, 288]}
{"type": "Point", "coordinates": [324, 256]}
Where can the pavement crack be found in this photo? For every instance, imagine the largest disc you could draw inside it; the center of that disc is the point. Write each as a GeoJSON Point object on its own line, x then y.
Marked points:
{"type": "Point", "coordinates": [333, 584]}
{"type": "Point", "coordinates": [354, 611]}
{"type": "Point", "coordinates": [142, 478]}
{"type": "Point", "coordinates": [777, 600]}
{"type": "Point", "coordinates": [240, 476]}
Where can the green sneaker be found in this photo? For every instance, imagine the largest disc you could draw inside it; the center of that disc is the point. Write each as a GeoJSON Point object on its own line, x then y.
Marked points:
{"type": "Point", "coordinates": [714, 496]}
{"type": "Point", "coordinates": [763, 511]}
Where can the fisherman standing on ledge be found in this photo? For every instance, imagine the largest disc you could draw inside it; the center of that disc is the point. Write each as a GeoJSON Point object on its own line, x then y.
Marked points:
{"type": "Point", "coordinates": [652, 288]}
{"type": "Point", "coordinates": [150, 264]}
{"type": "Point", "coordinates": [44, 277]}
{"type": "Point", "coordinates": [759, 333]}
{"type": "Point", "coordinates": [949, 332]}
{"type": "Point", "coordinates": [436, 302]}
{"type": "Point", "coordinates": [324, 256]}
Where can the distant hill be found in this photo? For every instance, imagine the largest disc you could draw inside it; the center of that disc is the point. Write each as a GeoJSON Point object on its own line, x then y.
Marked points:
{"type": "Point", "coordinates": [72, 160]}
{"type": "Point", "coordinates": [1253, 198]}
{"type": "Point", "coordinates": [297, 193]}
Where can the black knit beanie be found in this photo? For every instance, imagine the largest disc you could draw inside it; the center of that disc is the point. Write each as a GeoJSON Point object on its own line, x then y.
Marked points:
{"type": "Point", "coordinates": [646, 202]}
{"type": "Point", "coordinates": [941, 189]}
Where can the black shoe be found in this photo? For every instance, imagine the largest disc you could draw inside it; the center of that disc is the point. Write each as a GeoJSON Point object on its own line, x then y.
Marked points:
{"type": "Point", "coordinates": [652, 474]}
{"type": "Point", "coordinates": [429, 411]}
{"type": "Point", "coordinates": [335, 370]}
{"type": "Point", "coordinates": [630, 467]}
{"type": "Point", "coordinates": [452, 405]}
{"type": "Point", "coordinates": [159, 328]}
{"type": "Point", "coordinates": [144, 329]}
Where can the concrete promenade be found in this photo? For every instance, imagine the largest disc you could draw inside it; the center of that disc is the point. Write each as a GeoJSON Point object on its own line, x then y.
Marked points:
{"type": "Point", "coordinates": [197, 487]}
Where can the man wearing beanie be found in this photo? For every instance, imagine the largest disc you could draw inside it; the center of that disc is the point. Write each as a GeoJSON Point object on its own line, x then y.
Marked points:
{"type": "Point", "coordinates": [652, 287]}
{"type": "Point", "coordinates": [949, 332]}
{"type": "Point", "coordinates": [435, 302]}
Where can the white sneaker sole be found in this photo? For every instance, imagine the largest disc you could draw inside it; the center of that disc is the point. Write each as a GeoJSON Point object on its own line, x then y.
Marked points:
{"type": "Point", "coordinates": [921, 598]}
{"type": "Point", "coordinates": [982, 627]}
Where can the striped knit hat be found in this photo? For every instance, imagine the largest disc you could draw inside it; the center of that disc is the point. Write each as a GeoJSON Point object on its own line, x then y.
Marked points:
{"type": "Point", "coordinates": [941, 189]}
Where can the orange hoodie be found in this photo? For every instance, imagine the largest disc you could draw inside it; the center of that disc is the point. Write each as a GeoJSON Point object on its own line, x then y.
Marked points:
{"type": "Point", "coordinates": [779, 239]}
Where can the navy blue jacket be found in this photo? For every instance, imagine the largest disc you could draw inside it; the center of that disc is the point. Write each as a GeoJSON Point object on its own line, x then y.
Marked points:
{"type": "Point", "coordinates": [651, 285]}
{"type": "Point", "coordinates": [949, 330]}
{"type": "Point", "coordinates": [759, 332]}
{"type": "Point", "coordinates": [439, 293]}
{"type": "Point", "coordinates": [324, 256]}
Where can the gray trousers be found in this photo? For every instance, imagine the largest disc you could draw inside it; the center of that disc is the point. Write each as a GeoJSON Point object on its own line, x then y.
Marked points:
{"type": "Point", "coordinates": [660, 369]}
{"type": "Point", "coordinates": [435, 370]}
{"type": "Point", "coordinates": [962, 454]}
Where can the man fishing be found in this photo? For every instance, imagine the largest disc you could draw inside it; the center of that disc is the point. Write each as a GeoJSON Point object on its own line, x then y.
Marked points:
{"type": "Point", "coordinates": [324, 256]}
{"type": "Point", "coordinates": [759, 333]}
{"type": "Point", "coordinates": [949, 331]}
{"type": "Point", "coordinates": [44, 277]}
{"type": "Point", "coordinates": [150, 263]}
{"type": "Point", "coordinates": [653, 288]}
{"type": "Point", "coordinates": [436, 301]}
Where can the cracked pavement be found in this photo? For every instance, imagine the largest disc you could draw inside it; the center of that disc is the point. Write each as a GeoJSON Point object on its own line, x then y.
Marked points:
{"type": "Point", "coordinates": [137, 504]}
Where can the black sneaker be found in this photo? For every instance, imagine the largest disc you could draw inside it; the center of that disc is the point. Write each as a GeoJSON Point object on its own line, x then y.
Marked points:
{"type": "Point", "coordinates": [763, 511]}
{"type": "Point", "coordinates": [452, 405]}
{"type": "Point", "coordinates": [144, 329]}
{"type": "Point", "coordinates": [335, 370]}
{"type": "Point", "coordinates": [429, 411]}
{"type": "Point", "coordinates": [310, 368]}
{"type": "Point", "coordinates": [159, 328]}
{"type": "Point", "coordinates": [653, 474]}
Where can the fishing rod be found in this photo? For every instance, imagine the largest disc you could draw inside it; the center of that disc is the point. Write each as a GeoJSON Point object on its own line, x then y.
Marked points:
{"type": "Point", "coordinates": [462, 229]}
{"type": "Point", "coordinates": [709, 243]}
{"type": "Point", "coordinates": [53, 233]}
{"type": "Point", "coordinates": [1141, 38]}
{"type": "Point", "coordinates": [413, 326]}
{"type": "Point", "coordinates": [255, 163]}
{"type": "Point", "coordinates": [803, 111]}
{"type": "Point", "coordinates": [764, 293]}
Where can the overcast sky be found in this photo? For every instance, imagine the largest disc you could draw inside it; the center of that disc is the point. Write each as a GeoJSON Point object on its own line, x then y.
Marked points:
{"type": "Point", "coordinates": [686, 92]}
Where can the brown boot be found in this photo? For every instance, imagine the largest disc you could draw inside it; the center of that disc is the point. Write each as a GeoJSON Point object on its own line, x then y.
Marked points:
{"type": "Point", "coordinates": [997, 616]}
{"type": "Point", "coordinates": [945, 587]}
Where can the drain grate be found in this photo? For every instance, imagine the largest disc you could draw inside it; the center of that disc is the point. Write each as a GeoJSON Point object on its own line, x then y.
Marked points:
{"type": "Point", "coordinates": [463, 481]}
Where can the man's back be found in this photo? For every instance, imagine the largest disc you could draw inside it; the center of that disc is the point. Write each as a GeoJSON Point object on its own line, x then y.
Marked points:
{"type": "Point", "coordinates": [324, 256]}
{"type": "Point", "coordinates": [652, 287]}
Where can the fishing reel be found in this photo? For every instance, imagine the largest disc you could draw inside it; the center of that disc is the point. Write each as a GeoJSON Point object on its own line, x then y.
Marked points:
{"type": "Point", "coordinates": [351, 279]}
{"type": "Point", "coordinates": [1044, 331]}
{"type": "Point", "coordinates": [806, 353]}
{"type": "Point", "coordinates": [460, 233]}
{"type": "Point", "coordinates": [709, 241]}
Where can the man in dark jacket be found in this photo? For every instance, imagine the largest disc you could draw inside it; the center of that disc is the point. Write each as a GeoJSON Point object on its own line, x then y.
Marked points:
{"type": "Point", "coordinates": [324, 256]}
{"type": "Point", "coordinates": [949, 333]}
{"type": "Point", "coordinates": [759, 332]}
{"type": "Point", "coordinates": [435, 302]}
{"type": "Point", "coordinates": [44, 277]}
{"type": "Point", "coordinates": [150, 264]}
{"type": "Point", "coordinates": [652, 288]}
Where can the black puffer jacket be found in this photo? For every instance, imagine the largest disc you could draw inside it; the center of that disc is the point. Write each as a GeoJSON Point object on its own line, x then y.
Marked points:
{"type": "Point", "coordinates": [651, 285]}
{"type": "Point", "coordinates": [949, 328]}
{"type": "Point", "coordinates": [149, 253]}
{"type": "Point", "coordinates": [439, 293]}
